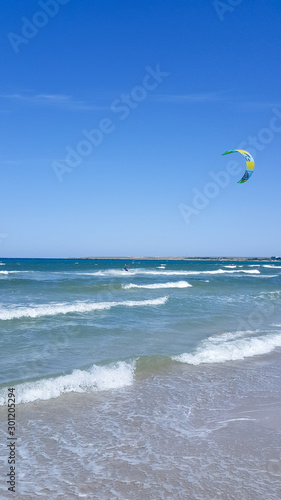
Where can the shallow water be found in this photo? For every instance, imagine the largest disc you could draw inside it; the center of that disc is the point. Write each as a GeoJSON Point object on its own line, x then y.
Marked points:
{"type": "Point", "coordinates": [133, 385]}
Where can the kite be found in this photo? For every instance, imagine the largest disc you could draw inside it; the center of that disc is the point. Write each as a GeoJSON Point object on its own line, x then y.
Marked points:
{"type": "Point", "coordinates": [249, 162]}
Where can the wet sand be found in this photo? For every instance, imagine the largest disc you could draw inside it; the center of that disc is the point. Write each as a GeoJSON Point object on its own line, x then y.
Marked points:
{"type": "Point", "coordinates": [199, 433]}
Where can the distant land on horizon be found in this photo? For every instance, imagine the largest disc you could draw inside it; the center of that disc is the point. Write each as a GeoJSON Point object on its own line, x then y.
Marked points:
{"type": "Point", "coordinates": [181, 258]}
{"type": "Point", "coordinates": [177, 258]}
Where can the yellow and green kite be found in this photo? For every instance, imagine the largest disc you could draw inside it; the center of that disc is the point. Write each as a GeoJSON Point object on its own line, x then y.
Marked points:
{"type": "Point", "coordinates": [249, 162]}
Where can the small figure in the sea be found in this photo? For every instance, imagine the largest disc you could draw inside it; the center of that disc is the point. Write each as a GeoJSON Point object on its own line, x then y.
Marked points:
{"type": "Point", "coordinates": [126, 267]}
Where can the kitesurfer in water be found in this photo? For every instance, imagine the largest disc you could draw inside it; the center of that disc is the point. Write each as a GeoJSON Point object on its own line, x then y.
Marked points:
{"type": "Point", "coordinates": [126, 267]}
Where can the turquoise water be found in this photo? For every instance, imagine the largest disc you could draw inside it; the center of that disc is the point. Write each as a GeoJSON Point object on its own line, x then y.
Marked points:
{"type": "Point", "coordinates": [161, 382]}
{"type": "Point", "coordinates": [57, 316]}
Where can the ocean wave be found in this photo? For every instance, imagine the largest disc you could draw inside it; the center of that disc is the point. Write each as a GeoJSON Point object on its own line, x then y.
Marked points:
{"type": "Point", "coordinates": [35, 311]}
{"type": "Point", "coordinates": [230, 349]}
{"type": "Point", "coordinates": [176, 284]}
{"type": "Point", "coordinates": [226, 336]}
{"type": "Point", "coordinates": [97, 378]}
{"type": "Point", "coordinates": [271, 266]}
{"type": "Point", "coordinates": [267, 276]}
{"type": "Point", "coordinates": [274, 293]}
{"type": "Point", "coordinates": [231, 266]}
{"type": "Point", "coordinates": [195, 273]}
{"type": "Point", "coordinates": [146, 272]}
{"type": "Point", "coordinates": [12, 272]}
{"type": "Point", "coordinates": [118, 273]}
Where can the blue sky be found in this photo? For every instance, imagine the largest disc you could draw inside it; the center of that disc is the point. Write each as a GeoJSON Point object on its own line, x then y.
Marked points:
{"type": "Point", "coordinates": [146, 96]}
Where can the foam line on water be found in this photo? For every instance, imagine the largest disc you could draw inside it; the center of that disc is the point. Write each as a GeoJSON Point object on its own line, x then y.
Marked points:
{"type": "Point", "coordinates": [271, 266]}
{"type": "Point", "coordinates": [226, 336]}
{"type": "Point", "coordinates": [230, 350]}
{"type": "Point", "coordinates": [117, 273]}
{"type": "Point", "coordinates": [267, 276]}
{"type": "Point", "coordinates": [35, 311]}
{"type": "Point", "coordinates": [152, 286]}
{"type": "Point", "coordinates": [97, 378]}
{"type": "Point", "coordinates": [13, 272]}
{"type": "Point", "coordinates": [164, 272]}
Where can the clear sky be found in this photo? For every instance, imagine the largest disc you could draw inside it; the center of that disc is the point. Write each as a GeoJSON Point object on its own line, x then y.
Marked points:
{"type": "Point", "coordinates": [114, 113]}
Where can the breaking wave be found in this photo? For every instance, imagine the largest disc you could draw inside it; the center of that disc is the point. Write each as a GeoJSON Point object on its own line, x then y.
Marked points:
{"type": "Point", "coordinates": [164, 272]}
{"type": "Point", "coordinates": [176, 284]}
{"type": "Point", "coordinates": [37, 311]}
{"type": "Point", "coordinates": [97, 378]}
{"type": "Point", "coordinates": [231, 347]}
{"type": "Point", "coordinates": [271, 266]}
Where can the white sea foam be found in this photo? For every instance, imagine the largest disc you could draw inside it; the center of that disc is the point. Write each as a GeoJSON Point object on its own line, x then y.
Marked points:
{"type": "Point", "coordinates": [12, 272]}
{"type": "Point", "coordinates": [274, 293]}
{"type": "Point", "coordinates": [231, 266]}
{"type": "Point", "coordinates": [271, 266]}
{"type": "Point", "coordinates": [191, 273]}
{"type": "Point", "coordinates": [146, 272]}
{"type": "Point", "coordinates": [116, 273]}
{"type": "Point", "coordinates": [37, 311]}
{"type": "Point", "coordinates": [237, 420]}
{"type": "Point", "coordinates": [267, 276]}
{"type": "Point", "coordinates": [176, 284]}
{"type": "Point", "coordinates": [226, 336]}
{"type": "Point", "coordinates": [97, 378]}
{"type": "Point", "coordinates": [230, 350]}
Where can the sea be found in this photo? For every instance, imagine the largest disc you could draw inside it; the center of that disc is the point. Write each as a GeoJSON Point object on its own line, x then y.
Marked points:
{"type": "Point", "coordinates": [160, 382]}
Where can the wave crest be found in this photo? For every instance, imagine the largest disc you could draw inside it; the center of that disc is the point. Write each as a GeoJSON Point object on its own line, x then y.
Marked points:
{"type": "Point", "coordinates": [76, 307]}
{"type": "Point", "coordinates": [176, 284]}
{"type": "Point", "coordinates": [238, 349]}
{"type": "Point", "coordinates": [97, 378]}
